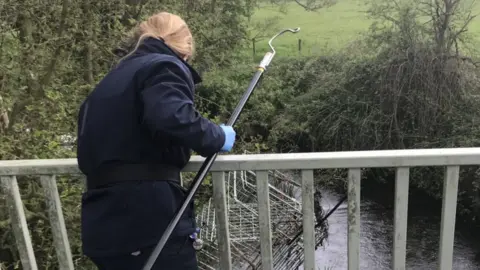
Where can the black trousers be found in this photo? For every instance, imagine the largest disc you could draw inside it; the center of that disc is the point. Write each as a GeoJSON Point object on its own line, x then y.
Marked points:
{"type": "Point", "coordinates": [121, 225]}
{"type": "Point", "coordinates": [178, 253]}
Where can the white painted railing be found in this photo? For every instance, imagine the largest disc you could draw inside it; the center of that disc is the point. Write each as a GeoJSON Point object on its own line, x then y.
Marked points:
{"type": "Point", "coordinates": [402, 160]}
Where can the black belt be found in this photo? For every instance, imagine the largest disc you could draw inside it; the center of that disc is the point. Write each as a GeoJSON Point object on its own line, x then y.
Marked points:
{"type": "Point", "coordinates": [114, 174]}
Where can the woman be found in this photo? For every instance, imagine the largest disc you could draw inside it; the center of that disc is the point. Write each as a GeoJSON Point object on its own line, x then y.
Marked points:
{"type": "Point", "coordinates": [136, 131]}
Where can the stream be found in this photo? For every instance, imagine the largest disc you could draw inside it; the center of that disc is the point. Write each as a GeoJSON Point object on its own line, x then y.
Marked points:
{"type": "Point", "coordinates": [376, 238]}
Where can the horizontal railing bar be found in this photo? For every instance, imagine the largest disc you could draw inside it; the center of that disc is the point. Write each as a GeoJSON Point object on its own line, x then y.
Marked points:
{"type": "Point", "coordinates": [290, 161]}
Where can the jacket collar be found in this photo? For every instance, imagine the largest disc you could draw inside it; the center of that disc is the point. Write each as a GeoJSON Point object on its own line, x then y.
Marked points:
{"type": "Point", "coordinates": [153, 45]}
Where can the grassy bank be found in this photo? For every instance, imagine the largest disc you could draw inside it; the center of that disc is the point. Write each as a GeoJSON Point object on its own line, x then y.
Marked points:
{"type": "Point", "coordinates": [325, 29]}
{"type": "Point", "coordinates": [328, 29]}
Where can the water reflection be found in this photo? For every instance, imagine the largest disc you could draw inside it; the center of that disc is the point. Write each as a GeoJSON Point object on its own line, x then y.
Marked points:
{"type": "Point", "coordinates": [377, 239]}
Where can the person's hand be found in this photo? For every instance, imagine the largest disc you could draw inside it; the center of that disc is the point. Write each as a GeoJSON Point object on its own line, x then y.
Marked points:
{"type": "Point", "coordinates": [229, 138]}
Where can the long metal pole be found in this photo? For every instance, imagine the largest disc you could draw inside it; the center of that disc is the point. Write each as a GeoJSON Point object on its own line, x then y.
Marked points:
{"type": "Point", "coordinates": [207, 164]}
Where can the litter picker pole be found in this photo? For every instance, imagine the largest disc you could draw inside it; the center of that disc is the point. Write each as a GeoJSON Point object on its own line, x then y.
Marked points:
{"type": "Point", "coordinates": [207, 164]}
{"type": "Point", "coordinates": [320, 222]}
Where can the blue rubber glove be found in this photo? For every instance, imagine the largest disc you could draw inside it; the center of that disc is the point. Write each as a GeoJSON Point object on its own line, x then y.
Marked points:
{"type": "Point", "coordinates": [229, 138]}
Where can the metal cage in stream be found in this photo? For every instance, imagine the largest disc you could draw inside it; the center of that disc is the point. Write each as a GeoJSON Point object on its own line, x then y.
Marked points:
{"type": "Point", "coordinates": [286, 221]}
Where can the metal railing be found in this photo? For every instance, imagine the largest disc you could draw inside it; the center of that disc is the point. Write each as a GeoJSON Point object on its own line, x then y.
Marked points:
{"type": "Point", "coordinates": [402, 160]}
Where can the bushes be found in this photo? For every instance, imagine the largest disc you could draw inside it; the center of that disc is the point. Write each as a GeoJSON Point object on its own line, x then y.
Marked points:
{"type": "Point", "coordinates": [388, 103]}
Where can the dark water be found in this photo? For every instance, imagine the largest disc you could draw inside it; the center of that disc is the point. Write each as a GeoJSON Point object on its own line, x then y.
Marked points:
{"type": "Point", "coordinates": [376, 237]}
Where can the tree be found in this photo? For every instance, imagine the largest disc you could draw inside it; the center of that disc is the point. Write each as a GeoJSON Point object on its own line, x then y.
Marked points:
{"type": "Point", "coordinates": [449, 20]}
{"type": "Point", "coordinates": [446, 26]}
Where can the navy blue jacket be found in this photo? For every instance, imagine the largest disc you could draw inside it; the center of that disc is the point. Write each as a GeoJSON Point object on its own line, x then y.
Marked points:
{"type": "Point", "coordinates": [141, 112]}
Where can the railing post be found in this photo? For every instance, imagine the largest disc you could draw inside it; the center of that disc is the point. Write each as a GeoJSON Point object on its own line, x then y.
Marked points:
{"type": "Point", "coordinates": [221, 212]}
{"type": "Point", "coordinates": [59, 231]}
{"type": "Point", "coordinates": [401, 217]}
{"type": "Point", "coordinates": [19, 222]}
{"type": "Point", "coordinates": [308, 219]}
{"type": "Point", "coordinates": [354, 177]}
{"type": "Point", "coordinates": [449, 209]}
{"type": "Point", "coordinates": [263, 197]}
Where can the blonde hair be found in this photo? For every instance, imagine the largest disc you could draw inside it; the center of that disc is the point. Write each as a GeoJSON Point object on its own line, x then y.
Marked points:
{"type": "Point", "coordinates": [172, 29]}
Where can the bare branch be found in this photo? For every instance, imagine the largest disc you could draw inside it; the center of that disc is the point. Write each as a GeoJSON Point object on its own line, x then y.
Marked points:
{"type": "Point", "coordinates": [51, 67]}
{"type": "Point", "coordinates": [309, 5]}
{"type": "Point", "coordinates": [263, 29]}
{"type": "Point", "coordinates": [312, 5]}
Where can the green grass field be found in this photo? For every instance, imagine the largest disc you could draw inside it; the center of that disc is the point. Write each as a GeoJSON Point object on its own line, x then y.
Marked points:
{"type": "Point", "coordinates": [326, 29]}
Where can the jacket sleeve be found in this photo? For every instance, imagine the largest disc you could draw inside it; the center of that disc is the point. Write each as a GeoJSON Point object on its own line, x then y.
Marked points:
{"type": "Point", "coordinates": [168, 108]}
